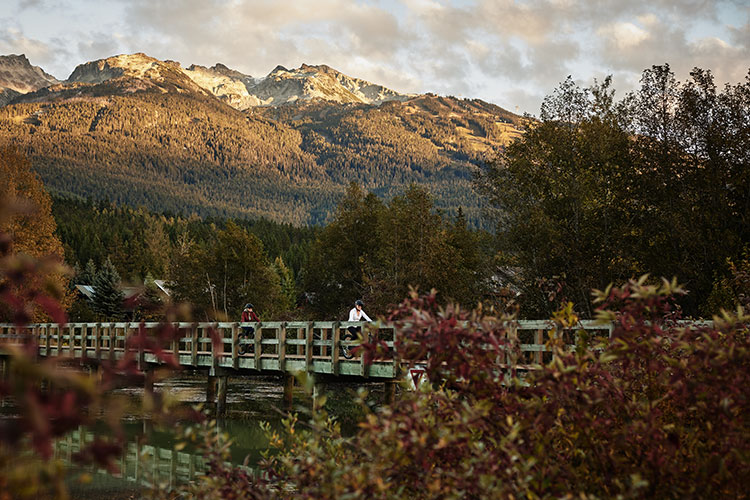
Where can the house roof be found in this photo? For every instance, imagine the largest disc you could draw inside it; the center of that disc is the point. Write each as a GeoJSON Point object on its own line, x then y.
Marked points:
{"type": "Point", "coordinates": [128, 291]}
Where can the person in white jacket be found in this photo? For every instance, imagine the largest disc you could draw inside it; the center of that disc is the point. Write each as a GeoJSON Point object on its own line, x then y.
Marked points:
{"type": "Point", "coordinates": [356, 314]}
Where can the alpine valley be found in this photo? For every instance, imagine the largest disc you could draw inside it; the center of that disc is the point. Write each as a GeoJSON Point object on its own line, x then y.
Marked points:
{"type": "Point", "coordinates": [214, 141]}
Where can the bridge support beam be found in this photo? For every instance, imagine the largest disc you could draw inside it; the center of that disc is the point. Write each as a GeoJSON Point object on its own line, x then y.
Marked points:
{"type": "Point", "coordinates": [211, 392]}
{"type": "Point", "coordinates": [288, 390]}
{"type": "Point", "coordinates": [390, 391]}
{"type": "Point", "coordinates": [221, 404]}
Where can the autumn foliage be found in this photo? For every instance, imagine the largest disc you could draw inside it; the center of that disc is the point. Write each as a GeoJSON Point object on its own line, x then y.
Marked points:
{"type": "Point", "coordinates": [657, 410]}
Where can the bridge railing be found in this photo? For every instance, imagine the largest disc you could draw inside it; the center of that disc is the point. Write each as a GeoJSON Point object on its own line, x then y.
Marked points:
{"type": "Point", "coordinates": [278, 346]}
{"type": "Point", "coordinates": [274, 346]}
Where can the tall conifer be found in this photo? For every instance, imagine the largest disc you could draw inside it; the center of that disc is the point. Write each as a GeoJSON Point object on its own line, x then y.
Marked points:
{"type": "Point", "coordinates": [108, 296]}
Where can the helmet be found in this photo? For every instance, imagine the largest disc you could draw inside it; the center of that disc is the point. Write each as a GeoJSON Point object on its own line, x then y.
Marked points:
{"type": "Point", "coordinates": [359, 303]}
{"type": "Point", "coordinates": [248, 306]}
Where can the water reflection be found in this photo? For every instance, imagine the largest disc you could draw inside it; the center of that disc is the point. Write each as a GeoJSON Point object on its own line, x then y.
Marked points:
{"type": "Point", "coordinates": [250, 400]}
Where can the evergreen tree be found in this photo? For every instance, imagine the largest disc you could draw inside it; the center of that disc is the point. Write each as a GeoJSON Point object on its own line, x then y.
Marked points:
{"type": "Point", "coordinates": [108, 296]}
{"type": "Point", "coordinates": [88, 275]}
{"type": "Point", "coordinates": [288, 285]}
{"type": "Point", "coordinates": [151, 300]}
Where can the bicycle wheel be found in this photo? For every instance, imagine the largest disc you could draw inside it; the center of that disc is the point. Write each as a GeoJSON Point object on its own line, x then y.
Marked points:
{"type": "Point", "coordinates": [345, 350]}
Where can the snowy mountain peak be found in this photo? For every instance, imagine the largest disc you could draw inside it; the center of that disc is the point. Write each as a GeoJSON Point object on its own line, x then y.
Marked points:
{"type": "Point", "coordinates": [127, 73]}
{"type": "Point", "coordinates": [283, 86]}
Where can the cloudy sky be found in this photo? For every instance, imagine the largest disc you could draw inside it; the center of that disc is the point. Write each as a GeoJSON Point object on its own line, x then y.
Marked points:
{"type": "Point", "coordinates": [508, 52]}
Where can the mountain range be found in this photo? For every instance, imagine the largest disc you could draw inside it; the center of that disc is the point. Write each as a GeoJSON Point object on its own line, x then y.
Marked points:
{"type": "Point", "coordinates": [214, 141]}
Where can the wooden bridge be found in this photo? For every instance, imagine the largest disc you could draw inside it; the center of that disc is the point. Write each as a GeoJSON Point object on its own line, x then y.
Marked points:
{"type": "Point", "coordinates": [313, 347]}
{"type": "Point", "coordinates": [275, 347]}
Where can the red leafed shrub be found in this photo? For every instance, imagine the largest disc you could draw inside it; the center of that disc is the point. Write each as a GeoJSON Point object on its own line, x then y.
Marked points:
{"type": "Point", "coordinates": [658, 410]}
{"type": "Point", "coordinates": [54, 395]}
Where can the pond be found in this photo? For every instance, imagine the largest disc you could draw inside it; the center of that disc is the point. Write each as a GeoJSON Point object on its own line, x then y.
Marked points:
{"type": "Point", "coordinates": [250, 401]}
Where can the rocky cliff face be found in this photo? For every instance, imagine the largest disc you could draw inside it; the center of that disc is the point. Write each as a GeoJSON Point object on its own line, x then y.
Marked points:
{"type": "Point", "coordinates": [284, 86]}
{"type": "Point", "coordinates": [135, 72]}
{"type": "Point", "coordinates": [18, 76]}
{"type": "Point", "coordinates": [228, 85]}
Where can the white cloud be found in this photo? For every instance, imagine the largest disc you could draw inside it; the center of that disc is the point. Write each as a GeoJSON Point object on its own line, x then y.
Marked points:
{"type": "Point", "coordinates": [623, 35]}
{"type": "Point", "coordinates": [493, 49]}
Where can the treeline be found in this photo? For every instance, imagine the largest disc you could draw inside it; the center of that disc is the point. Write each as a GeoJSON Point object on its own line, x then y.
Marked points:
{"type": "Point", "coordinates": [139, 242]}
{"type": "Point", "coordinates": [377, 251]}
{"type": "Point", "coordinates": [372, 250]}
{"type": "Point", "coordinates": [602, 190]}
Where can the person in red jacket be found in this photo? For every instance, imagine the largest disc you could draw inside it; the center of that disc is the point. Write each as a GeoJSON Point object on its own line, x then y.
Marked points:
{"type": "Point", "coordinates": [248, 316]}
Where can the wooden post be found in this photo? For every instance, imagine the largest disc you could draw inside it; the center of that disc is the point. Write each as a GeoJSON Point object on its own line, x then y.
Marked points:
{"type": "Point", "coordinates": [539, 340]}
{"type": "Point", "coordinates": [97, 341]}
{"type": "Point", "coordinates": [194, 344]}
{"type": "Point", "coordinates": [48, 341]}
{"type": "Point", "coordinates": [364, 370]}
{"type": "Point", "coordinates": [309, 347]}
{"type": "Point", "coordinates": [35, 334]}
{"type": "Point", "coordinates": [336, 348]}
{"type": "Point", "coordinates": [221, 405]}
{"type": "Point", "coordinates": [288, 390]}
{"type": "Point", "coordinates": [281, 336]}
{"type": "Point", "coordinates": [214, 354]}
{"type": "Point", "coordinates": [324, 336]}
{"type": "Point", "coordinates": [71, 340]}
{"type": "Point", "coordinates": [84, 341]}
{"type": "Point", "coordinates": [112, 341]}
{"type": "Point", "coordinates": [300, 347]}
{"type": "Point", "coordinates": [176, 343]}
{"type": "Point", "coordinates": [235, 347]}
{"type": "Point", "coordinates": [258, 346]}
{"type": "Point", "coordinates": [390, 391]}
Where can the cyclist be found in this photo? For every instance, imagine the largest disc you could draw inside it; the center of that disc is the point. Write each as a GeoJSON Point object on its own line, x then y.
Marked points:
{"type": "Point", "coordinates": [356, 314]}
{"type": "Point", "coordinates": [248, 315]}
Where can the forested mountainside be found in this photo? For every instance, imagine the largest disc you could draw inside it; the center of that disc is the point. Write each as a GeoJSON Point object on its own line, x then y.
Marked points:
{"type": "Point", "coordinates": [149, 135]}
{"type": "Point", "coordinates": [139, 242]}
